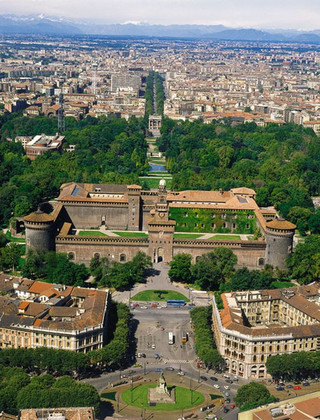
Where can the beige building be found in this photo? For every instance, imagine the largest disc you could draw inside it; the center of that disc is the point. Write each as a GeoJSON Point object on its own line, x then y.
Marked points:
{"type": "Point", "coordinates": [306, 407]}
{"type": "Point", "coordinates": [35, 314]}
{"type": "Point", "coordinates": [72, 413]}
{"type": "Point", "coordinates": [257, 324]}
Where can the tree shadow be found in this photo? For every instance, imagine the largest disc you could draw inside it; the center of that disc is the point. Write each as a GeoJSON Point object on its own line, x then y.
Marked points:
{"type": "Point", "coordinates": [106, 409]}
{"type": "Point", "coordinates": [151, 272]}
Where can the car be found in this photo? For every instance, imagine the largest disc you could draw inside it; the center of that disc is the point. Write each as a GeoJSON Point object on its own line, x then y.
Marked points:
{"type": "Point", "coordinates": [181, 373]}
{"type": "Point", "coordinates": [227, 394]}
{"type": "Point", "coordinates": [306, 383]}
{"type": "Point", "coordinates": [226, 376]}
{"type": "Point", "coordinates": [213, 378]}
{"type": "Point", "coordinates": [229, 381]}
{"type": "Point", "coordinates": [227, 400]}
{"type": "Point", "coordinates": [289, 386]}
{"type": "Point", "coordinates": [232, 406]}
{"type": "Point", "coordinates": [279, 388]}
{"type": "Point", "coordinates": [225, 409]}
{"type": "Point", "coordinates": [153, 346]}
{"type": "Point", "coordinates": [139, 355]}
{"type": "Point", "coordinates": [158, 370]}
{"type": "Point", "coordinates": [144, 307]}
{"type": "Point", "coordinates": [170, 369]}
{"type": "Point", "coordinates": [296, 387]}
{"type": "Point", "coordinates": [216, 386]}
{"type": "Point", "coordinates": [143, 355]}
{"type": "Point", "coordinates": [156, 356]}
{"type": "Point", "coordinates": [235, 378]}
{"type": "Point", "coordinates": [203, 378]}
{"type": "Point", "coordinates": [226, 387]}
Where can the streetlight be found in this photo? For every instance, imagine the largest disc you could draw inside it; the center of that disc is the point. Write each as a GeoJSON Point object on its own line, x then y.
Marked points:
{"type": "Point", "coordinates": [131, 388]}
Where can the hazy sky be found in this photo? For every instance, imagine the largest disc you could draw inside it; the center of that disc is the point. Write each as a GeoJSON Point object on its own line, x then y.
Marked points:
{"type": "Point", "coordinates": [298, 14]}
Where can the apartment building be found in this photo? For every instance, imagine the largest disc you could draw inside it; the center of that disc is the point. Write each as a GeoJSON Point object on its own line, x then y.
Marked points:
{"type": "Point", "coordinates": [257, 324]}
{"type": "Point", "coordinates": [36, 314]}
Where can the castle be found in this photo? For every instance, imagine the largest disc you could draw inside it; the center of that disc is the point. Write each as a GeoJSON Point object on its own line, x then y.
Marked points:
{"type": "Point", "coordinates": [261, 238]}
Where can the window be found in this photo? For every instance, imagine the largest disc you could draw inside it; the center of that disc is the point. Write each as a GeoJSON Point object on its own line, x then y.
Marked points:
{"type": "Point", "coordinates": [123, 258]}
{"type": "Point", "coordinates": [71, 255]}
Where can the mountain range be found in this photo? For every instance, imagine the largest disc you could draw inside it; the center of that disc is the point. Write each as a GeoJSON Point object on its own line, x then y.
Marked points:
{"type": "Point", "coordinates": [13, 24]}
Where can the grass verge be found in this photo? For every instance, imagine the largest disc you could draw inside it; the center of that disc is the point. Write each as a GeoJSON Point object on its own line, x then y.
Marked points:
{"type": "Point", "coordinates": [91, 233]}
{"type": "Point", "coordinates": [159, 296]}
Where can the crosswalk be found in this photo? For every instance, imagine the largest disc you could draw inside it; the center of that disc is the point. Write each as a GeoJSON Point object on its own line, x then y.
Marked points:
{"type": "Point", "coordinates": [178, 361]}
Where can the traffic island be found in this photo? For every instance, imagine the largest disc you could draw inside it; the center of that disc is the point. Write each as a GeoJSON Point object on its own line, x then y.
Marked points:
{"type": "Point", "coordinates": [132, 400]}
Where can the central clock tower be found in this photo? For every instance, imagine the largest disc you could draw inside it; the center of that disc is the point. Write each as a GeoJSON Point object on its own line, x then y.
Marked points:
{"type": "Point", "coordinates": [161, 230]}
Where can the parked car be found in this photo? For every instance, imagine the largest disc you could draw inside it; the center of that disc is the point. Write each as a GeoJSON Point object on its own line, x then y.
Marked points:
{"type": "Point", "coordinates": [306, 383]}
{"type": "Point", "coordinates": [216, 386]}
{"type": "Point", "coordinates": [227, 394]}
{"type": "Point", "coordinates": [225, 409]}
{"type": "Point", "coordinates": [229, 381]}
{"type": "Point", "coordinates": [153, 346]}
{"type": "Point", "coordinates": [232, 405]}
{"type": "Point", "coordinates": [226, 387]}
{"type": "Point", "coordinates": [213, 378]}
{"type": "Point", "coordinates": [156, 356]}
{"type": "Point", "coordinates": [289, 386]}
{"type": "Point", "coordinates": [235, 378]}
{"type": "Point", "coordinates": [226, 376]}
{"type": "Point", "coordinates": [279, 388]}
{"type": "Point", "coordinates": [227, 400]}
{"type": "Point", "coordinates": [169, 368]}
{"type": "Point", "coordinates": [203, 378]}
{"type": "Point", "coordinates": [296, 387]}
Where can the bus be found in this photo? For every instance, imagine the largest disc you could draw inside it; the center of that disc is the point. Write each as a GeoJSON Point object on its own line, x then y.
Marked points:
{"type": "Point", "coordinates": [176, 303]}
{"type": "Point", "coordinates": [184, 338]}
{"type": "Point", "coordinates": [171, 338]}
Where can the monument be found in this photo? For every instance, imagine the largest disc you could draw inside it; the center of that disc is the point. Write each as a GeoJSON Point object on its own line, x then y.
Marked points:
{"type": "Point", "coordinates": [161, 394]}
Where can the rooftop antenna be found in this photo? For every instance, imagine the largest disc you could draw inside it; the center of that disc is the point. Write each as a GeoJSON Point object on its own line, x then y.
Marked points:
{"type": "Point", "coordinates": [61, 116]}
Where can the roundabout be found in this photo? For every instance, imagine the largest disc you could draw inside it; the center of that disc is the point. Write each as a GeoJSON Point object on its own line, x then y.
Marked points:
{"type": "Point", "coordinates": [132, 400]}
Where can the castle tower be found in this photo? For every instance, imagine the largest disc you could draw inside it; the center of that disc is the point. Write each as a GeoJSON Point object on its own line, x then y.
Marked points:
{"type": "Point", "coordinates": [161, 229]}
{"type": "Point", "coordinates": [39, 231]}
{"type": "Point", "coordinates": [279, 238]}
{"type": "Point", "coordinates": [134, 198]}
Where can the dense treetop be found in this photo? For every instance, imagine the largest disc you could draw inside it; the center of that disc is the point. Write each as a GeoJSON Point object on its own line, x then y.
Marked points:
{"type": "Point", "coordinates": [108, 150]}
{"type": "Point", "coordinates": [280, 162]}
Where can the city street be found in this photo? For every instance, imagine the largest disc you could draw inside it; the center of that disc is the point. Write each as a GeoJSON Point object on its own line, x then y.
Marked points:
{"type": "Point", "coordinates": [151, 328]}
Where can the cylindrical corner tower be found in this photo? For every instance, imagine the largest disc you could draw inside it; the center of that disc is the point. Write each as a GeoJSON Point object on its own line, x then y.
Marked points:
{"type": "Point", "coordinates": [39, 231]}
{"type": "Point", "coordinates": [279, 238]}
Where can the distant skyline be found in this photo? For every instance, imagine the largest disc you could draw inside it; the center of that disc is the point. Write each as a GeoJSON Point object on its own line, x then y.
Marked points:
{"type": "Point", "coordinates": [270, 14]}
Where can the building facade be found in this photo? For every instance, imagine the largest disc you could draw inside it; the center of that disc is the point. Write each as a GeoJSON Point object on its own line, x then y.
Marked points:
{"type": "Point", "coordinates": [36, 314]}
{"type": "Point", "coordinates": [159, 213]}
{"type": "Point", "coordinates": [257, 324]}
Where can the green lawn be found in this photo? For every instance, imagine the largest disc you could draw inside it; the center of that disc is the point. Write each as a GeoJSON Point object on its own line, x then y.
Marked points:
{"type": "Point", "coordinates": [226, 237]}
{"type": "Point", "coordinates": [183, 398]}
{"type": "Point", "coordinates": [12, 239]}
{"type": "Point", "coordinates": [153, 296]}
{"type": "Point", "coordinates": [154, 182]}
{"type": "Point", "coordinates": [91, 233]}
{"type": "Point", "coordinates": [132, 234]}
{"type": "Point", "coordinates": [187, 235]}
